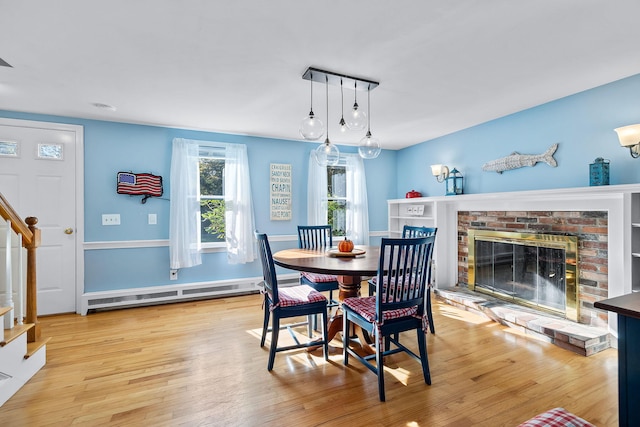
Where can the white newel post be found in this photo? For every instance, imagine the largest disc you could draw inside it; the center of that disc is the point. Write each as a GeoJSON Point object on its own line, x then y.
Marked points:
{"type": "Point", "coordinates": [8, 288]}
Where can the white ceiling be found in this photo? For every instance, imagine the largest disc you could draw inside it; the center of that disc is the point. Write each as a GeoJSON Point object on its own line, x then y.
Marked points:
{"type": "Point", "coordinates": [236, 66]}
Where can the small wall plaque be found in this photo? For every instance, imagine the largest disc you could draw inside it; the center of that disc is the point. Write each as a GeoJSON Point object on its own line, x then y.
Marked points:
{"type": "Point", "coordinates": [280, 192]}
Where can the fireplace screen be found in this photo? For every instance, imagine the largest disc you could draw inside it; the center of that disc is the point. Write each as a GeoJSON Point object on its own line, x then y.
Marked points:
{"type": "Point", "coordinates": [533, 269]}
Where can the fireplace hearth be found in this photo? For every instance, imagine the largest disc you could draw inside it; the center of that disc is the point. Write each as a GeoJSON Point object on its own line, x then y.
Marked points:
{"type": "Point", "coordinates": [581, 339]}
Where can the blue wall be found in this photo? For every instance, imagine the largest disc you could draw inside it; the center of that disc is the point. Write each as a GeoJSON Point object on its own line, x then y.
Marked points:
{"type": "Point", "coordinates": [111, 147]}
{"type": "Point", "coordinates": [582, 124]}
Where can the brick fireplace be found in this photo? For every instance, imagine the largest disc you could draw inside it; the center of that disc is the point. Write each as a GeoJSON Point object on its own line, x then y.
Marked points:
{"type": "Point", "coordinates": [590, 227]}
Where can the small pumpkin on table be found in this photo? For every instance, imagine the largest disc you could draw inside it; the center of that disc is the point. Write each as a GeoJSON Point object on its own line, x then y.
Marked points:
{"type": "Point", "coordinates": [345, 245]}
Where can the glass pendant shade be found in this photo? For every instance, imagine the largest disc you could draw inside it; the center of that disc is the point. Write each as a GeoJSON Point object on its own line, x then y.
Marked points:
{"type": "Point", "coordinates": [369, 147]}
{"type": "Point", "coordinates": [327, 154]}
{"type": "Point", "coordinates": [356, 119]}
{"type": "Point", "coordinates": [311, 127]}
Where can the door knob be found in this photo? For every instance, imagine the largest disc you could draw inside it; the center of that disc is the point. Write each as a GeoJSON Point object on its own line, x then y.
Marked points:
{"type": "Point", "coordinates": [68, 230]}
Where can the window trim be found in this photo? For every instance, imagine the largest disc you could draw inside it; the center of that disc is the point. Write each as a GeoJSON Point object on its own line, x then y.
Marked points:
{"type": "Point", "coordinates": [214, 246]}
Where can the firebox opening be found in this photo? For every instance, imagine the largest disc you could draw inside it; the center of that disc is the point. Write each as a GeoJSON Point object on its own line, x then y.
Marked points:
{"type": "Point", "coordinates": [536, 270]}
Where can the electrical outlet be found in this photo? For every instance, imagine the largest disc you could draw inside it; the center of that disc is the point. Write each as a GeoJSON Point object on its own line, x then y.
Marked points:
{"type": "Point", "coordinates": [110, 219]}
{"type": "Point", "coordinates": [173, 274]}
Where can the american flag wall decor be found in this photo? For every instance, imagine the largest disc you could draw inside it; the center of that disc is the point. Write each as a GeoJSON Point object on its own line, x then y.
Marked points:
{"type": "Point", "coordinates": [139, 184]}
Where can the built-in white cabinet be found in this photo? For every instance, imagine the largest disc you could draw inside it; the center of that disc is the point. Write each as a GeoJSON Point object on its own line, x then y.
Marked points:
{"type": "Point", "coordinates": [635, 242]}
{"type": "Point", "coordinates": [415, 212]}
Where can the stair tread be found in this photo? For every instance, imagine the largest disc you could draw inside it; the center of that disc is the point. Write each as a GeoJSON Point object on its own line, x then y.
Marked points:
{"type": "Point", "coordinates": [4, 310]}
{"type": "Point", "coordinates": [15, 332]}
{"type": "Point", "coordinates": [33, 347]}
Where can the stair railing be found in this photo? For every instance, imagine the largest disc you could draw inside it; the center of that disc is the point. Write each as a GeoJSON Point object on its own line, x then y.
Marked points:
{"type": "Point", "coordinates": [20, 237]}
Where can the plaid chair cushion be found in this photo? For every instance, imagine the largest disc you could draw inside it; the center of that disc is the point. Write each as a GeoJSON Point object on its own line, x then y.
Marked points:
{"type": "Point", "coordinates": [298, 295]}
{"type": "Point", "coordinates": [366, 307]}
{"type": "Point", "coordinates": [557, 417]}
{"type": "Point", "coordinates": [319, 278]}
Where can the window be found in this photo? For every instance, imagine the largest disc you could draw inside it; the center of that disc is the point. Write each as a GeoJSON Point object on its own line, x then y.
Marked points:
{"type": "Point", "coordinates": [50, 151]}
{"type": "Point", "coordinates": [337, 195]}
{"type": "Point", "coordinates": [212, 212]}
{"type": "Point", "coordinates": [210, 181]}
{"type": "Point", "coordinates": [9, 149]}
{"type": "Point", "coordinates": [337, 199]}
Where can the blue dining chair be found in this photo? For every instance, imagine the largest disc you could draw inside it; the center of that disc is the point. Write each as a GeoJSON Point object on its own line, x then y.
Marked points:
{"type": "Point", "coordinates": [318, 237]}
{"type": "Point", "coordinates": [409, 231]}
{"type": "Point", "coordinates": [398, 306]}
{"type": "Point", "coordinates": [287, 302]}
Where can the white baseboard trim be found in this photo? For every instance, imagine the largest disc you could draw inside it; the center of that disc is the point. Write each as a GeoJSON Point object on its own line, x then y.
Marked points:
{"type": "Point", "coordinates": [179, 292]}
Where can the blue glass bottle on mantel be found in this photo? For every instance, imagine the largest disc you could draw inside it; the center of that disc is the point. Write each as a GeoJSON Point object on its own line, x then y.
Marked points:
{"type": "Point", "coordinates": [599, 172]}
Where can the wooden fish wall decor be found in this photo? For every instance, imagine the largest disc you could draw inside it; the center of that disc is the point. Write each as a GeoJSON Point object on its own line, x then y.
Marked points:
{"type": "Point", "coordinates": [516, 160]}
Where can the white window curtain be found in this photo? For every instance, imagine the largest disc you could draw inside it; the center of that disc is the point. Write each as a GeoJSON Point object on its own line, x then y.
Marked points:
{"type": "Point", "coordinates": [184, 232]}
{"type": "Point", "coordinates": [239, 219]}
{"type": "Point", "coordinates": [357, 221]}
{"type": "Point", "coordinates": [357, 205]}
{"type": "Point", "coordinates": [184, 210]}
{"type": "Point", "coordinates": [317, 200]}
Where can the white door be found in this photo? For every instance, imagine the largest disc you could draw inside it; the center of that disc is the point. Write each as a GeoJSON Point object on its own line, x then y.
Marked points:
{"type": "Point", "coordinates": [38, 178]}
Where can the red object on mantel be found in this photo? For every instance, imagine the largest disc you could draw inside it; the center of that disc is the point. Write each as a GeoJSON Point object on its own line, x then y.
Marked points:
{"type": "Point", "coordinates": [413, 193]}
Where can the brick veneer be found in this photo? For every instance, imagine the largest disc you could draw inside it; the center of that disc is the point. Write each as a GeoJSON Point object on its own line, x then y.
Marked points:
{"type": "Point", "coordinates": [589, 226]}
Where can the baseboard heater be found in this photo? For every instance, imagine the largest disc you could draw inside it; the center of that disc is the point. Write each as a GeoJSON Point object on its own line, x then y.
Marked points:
{"type": "Point", "coordinates": [172, 293]}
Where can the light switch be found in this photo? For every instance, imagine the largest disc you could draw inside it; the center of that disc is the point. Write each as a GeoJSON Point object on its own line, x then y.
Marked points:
{"type": "Point", "coordinates": [153, 219]}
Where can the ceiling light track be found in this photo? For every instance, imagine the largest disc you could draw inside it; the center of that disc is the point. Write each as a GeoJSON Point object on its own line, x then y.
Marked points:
{"type": "Point", "coordinates": [329, 77]}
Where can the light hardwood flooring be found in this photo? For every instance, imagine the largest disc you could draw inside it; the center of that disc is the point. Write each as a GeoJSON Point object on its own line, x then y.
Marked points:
{"type": "Point", "coordinates": [200, 364]}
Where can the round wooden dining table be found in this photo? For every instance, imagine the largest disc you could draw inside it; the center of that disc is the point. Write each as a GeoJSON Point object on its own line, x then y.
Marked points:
{"type": "Point", "coordinates": [349, 269]}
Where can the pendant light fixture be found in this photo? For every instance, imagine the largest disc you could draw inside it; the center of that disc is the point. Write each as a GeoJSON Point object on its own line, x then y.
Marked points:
{"type": "Point", "coordinates": [327, 154]}
{"type": "Point", "coordinates": [369, 147]}
{"type": "Point", "coordinates": [311, 128]}
{"type": "Point", "coordinates": [356, 119]}
{"type": "Point", "coordinates": [343, 124]}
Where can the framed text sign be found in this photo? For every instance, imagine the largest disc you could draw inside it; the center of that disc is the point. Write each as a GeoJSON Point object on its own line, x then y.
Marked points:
{"type": "Point", "coordinates": [280, 192]}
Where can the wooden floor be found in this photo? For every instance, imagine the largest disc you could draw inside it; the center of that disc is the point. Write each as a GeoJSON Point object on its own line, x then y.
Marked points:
{"type": "Point", "coordinates": [200, 364]}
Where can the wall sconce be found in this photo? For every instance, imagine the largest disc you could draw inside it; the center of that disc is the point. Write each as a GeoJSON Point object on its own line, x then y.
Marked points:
{"type": "Point", "coordinates": [629, 136]}
{"type": "Point", "coordinates": [454, 184]}
{"type": "Point", "coordinates": [441, 172]}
